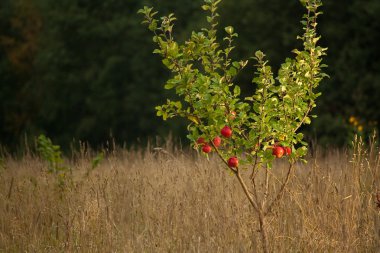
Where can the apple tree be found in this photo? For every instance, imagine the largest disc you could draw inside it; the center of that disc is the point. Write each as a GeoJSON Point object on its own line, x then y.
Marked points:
{"type": "Point", "coordinates": [246, 133]}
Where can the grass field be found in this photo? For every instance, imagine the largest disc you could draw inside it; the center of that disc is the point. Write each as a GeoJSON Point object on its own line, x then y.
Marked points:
{"type": "Point", "coordinates": [170, 200]}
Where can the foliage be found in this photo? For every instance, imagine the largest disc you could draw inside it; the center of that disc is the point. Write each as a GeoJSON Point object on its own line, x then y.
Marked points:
{"type": "Point", "coordinates": [86, 63]}
{"type": "Point", "coordinates": [353, 60]}
{"type": "Point", "coordinates": [257, 128]}
{"type": "Point", "coordinates": [95, 162]}
{"type": "Point", "coordinates": [19, 35]}
{"type": "Point", "coordinates": [53, 156]}
{"type": "Point", "coordinates": [204, 75]}
{"type": "Point", "coordinates": [86, 71]}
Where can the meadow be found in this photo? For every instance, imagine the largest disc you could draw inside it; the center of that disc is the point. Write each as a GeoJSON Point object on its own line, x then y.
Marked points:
{"type": "Point", "coordinates": [169, 199]}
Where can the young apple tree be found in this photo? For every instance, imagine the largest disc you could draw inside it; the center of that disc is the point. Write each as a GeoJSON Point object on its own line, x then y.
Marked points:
{"type": "Point", "coordinates": [246, 133]}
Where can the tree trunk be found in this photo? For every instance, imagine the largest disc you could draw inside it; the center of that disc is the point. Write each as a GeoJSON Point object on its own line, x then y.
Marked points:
{"type": "Point", "coordinates": [263, 232]}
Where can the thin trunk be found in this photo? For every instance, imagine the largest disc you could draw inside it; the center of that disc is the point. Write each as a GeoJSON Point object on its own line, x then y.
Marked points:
{"type": "Point", "coordinates": [263, 232]}
{"type": "Point", "coordinates": [260, 213]}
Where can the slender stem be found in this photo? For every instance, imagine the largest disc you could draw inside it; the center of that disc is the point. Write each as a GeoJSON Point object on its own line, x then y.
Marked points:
{"type": "Point", "coordinates": [280, 192]}
{"type": "Point", "coordinates": [253, 177]}
{"type": "Point", "coordinates": [310, 107]}
{"type": "Point", "coordinates": [226, 62]}
{"type": "Point", "coordinates": [10, 189]}
{"type": "Point", "coordinates": [255, 194]}
{"type": "Point", "coordinates": [304, 118]}
{"type": "Point", "coordinates": [246, 191]}
{"type": "Point", "coordinates": [254, 168]}
{"type": "Point", "coordinates": [266, 188]}
{"type": "Point", "coordinates": [240, 179]}
{"type": "Point", "coordinates": [222, 158]}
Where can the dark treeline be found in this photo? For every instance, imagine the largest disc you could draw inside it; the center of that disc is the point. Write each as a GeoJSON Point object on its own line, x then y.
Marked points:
{"type": "Point", "coordinates": [84, 69]}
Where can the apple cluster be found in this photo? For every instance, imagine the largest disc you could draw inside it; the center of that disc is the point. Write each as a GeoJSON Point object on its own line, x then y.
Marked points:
{"type": "Point", "coordinates": [226, 132]}
{"type": "Point", "coordinates": [279, 151]}
{"type": "Point", "coordinates": [217, 141]}
{"type": "Point", "coordinates": [206, 146]}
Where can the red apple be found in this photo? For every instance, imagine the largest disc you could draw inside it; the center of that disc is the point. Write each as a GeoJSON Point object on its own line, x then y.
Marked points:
{"type": "Point", "coordinates": [206, 148]}
{"type": "Point", "coordinates": [233, 162]}
{"type": "Point", "coordinates": [201, 140]}
{"type": "Point", "coordinates": [226, 131]}
{"type": "Point", "coordinates": [217, 141]}
{"type": "Point", "coordinates": [288, 150]}
{"type": "Point", "coordinates": [278, 151]}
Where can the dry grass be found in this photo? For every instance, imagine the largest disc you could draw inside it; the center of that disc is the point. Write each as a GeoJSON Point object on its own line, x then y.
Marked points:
{"type": "Point", "coordinates": [151, 201]}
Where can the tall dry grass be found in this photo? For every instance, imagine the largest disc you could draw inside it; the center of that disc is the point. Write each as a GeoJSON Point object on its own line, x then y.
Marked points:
{"type": "Point", "coordinates": [176, 201]}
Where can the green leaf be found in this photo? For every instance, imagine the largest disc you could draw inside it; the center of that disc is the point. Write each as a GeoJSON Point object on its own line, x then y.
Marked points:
{"type": "Point", "coordinates": [232, 71]}
{"type": "Point", "coordinates": [205, 7]}
{"type": "Point", "coordinates": [167, 63]}
{"type": "Point", "coordinates": [229, 30]}
{"type": "Point", "coordinates": [259, 55]}
{"type": "Point", "coordinates": [157, 51]}
{"type": "Point", "coordinates": [236, 90]}
{"type": "Point", "coordinates": [237, 65]}
{"type": "Point", "coordinates": [153, 26]}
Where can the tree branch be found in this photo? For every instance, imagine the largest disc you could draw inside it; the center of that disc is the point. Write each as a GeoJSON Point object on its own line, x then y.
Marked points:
{"type": "Point", "coordinates": [246, 191]}
{"type": "Point", "coordinates": [280, 192]}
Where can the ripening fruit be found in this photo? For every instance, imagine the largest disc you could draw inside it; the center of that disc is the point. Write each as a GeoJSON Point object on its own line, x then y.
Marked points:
{"type": "Point", "coordinates": [232, 115]}
{"type": "Point", "coordinates": [201, 140]}
{"type": "Point", "coordinates": [217, 141]}
{"type": "Point", "coordinates": [233, 162]}
{"type": "Point", "coordinates": [226, 131]}
{"type": "Point", "coordinates": [278, 151]}
{"type": "Point", "coordinates": [288, 150]}
{"type": "Point", "coordinates": [206, 148]}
